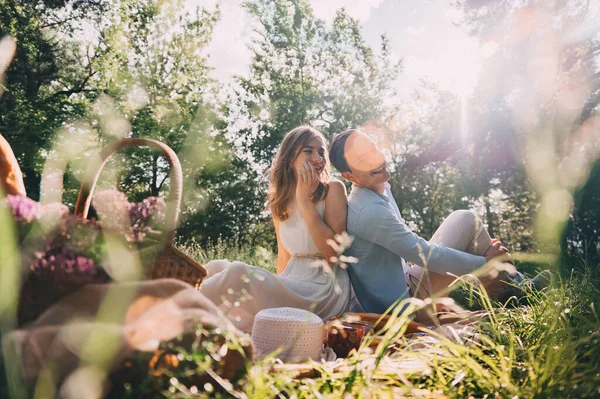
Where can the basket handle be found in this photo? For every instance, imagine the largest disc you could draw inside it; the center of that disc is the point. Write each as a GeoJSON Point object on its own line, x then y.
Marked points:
{"type": "Point", "coordinates": [88, 184]}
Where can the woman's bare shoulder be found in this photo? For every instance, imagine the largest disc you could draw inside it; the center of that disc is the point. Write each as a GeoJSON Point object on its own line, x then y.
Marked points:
{"type": "Point", "coordinates": [336, 191]}
{"type": "Point", "coordinates": [337, 188]}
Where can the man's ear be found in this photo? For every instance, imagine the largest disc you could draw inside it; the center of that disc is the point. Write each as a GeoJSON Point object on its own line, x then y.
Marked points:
{"type": "Point", "coordinates": [348, 176]}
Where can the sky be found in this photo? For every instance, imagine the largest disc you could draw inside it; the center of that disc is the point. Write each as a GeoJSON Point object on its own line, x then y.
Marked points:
{"type": "Point", "coordinates": [421, 33]}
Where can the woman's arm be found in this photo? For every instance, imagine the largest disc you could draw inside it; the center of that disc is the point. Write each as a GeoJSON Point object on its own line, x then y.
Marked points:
{"type": "Point", "coordinates": [283, 256]}
{"type": "Point", "coordinates": [335, 218]}
{"type": "Point", "coordinates": [336, 207]}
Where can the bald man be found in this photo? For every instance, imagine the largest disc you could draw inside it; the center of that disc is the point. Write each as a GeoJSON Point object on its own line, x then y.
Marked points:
{"type": "Point", "coordinates": [393, 262]}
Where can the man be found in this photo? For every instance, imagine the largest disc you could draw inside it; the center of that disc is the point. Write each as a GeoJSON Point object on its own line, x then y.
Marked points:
{"type": "Point", "coordinates": [383, 243]}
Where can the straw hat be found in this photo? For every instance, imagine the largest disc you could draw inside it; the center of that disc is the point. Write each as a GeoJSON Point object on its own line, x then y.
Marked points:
{"type": "Point", "coordinates": [298, 332]}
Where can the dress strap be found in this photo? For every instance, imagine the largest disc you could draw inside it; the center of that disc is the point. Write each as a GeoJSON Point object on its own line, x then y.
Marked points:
{"type": "Point", "coordinates": [321, 207]}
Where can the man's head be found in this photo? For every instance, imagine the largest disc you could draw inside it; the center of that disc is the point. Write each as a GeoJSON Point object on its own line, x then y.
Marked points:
{"type": "Point", "coordinates": [359, 160]}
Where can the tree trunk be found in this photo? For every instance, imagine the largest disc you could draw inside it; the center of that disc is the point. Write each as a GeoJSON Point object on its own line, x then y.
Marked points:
{"type": "Point", "coordinates": [32, 181]}
{"type": "Point", "coordinates": [154, 188]}
{"type": "Point", "coordinates": [489, 217]}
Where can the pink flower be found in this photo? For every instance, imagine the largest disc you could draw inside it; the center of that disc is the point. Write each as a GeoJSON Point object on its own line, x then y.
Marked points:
{"type": "Point", "coordinates": [24, 209]}
{"type": "Point", "coordinates": [113, 209]}
{"type": "Point", "coordinates": [60, 265]}
{"type": "Point", "coordinates": [134, 220]}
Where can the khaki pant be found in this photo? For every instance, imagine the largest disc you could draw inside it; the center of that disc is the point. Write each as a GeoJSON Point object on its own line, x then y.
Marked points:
{"type": "Point", "coordinates": [463, 231]}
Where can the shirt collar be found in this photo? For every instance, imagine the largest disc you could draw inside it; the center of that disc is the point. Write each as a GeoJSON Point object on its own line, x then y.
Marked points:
{"type": "Point", "coordinates": [358, 190]}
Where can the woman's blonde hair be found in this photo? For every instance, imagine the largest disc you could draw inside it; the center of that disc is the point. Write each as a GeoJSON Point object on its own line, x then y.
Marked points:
{"type": "Point", "coordinates": [282, 176]}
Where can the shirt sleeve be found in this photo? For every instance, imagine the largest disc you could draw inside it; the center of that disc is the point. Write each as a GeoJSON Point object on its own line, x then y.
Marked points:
{"type": "Point", "coordinates": [378, 224]}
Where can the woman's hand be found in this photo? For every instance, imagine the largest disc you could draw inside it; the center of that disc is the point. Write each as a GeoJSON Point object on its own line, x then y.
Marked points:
{"type": "Point", "coordinates": [307, 183]}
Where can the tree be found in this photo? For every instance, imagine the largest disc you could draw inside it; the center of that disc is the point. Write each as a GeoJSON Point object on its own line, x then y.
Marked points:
{"type": "Point", "coordinates": [157, 81]}
{"type": "Point", "coordinates": [42, 77]}
{"type": "Point", "coordinates": [537, 97]}
{"type": "Point", "coordinates": [414, 138]}
{"type": "Point", "coordinates": [303, 71]}
{"type": "Point", "coordinates": [155, 84]}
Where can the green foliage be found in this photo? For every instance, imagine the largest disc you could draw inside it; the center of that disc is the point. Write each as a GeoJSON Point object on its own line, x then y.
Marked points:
{"type": "Point", "coordinates": [36, 100]}
{"type": "Point", "coordinates": [530, 122]}
{"type": "Point", "coordinates": [156, 76]}
{"type": "Point", "coordinates": [306, 72]}
{"type": "Point", "coordinates": [302, 71]}
{"type": "Point", "coordinates": [581, 235]}
{"type": "Point", "coordinates": [50, 70]}
{"type": "Point", "coordinates": [145, 74]}
{"type": "Point", "coordinates": [166, 77]}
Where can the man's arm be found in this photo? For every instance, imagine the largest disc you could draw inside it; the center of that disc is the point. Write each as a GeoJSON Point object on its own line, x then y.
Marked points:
{"type": "Point", "coordinates": [378, 224]}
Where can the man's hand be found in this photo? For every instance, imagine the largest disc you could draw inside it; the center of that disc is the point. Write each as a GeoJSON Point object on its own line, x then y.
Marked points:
{"type": "Point", "coordinates": [442, 311]}
{"type": "Point", "coordinates": [307, 183]}
{"type": "Point", "coordinates": [497, 249]}
{"type": "Point", "coordinates": [496, 283]}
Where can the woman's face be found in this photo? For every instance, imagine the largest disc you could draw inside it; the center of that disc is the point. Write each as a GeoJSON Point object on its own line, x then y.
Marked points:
{"type": "Point", "coordinates": [314, 153]}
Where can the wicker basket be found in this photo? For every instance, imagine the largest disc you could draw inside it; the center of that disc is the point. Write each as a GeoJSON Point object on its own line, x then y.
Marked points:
{"type": "Point", "coordinates": [159, 256]}
{"type": "Point", "coordinates": [167, 261]}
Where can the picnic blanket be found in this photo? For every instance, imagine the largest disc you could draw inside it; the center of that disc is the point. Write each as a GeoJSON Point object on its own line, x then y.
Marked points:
{"type": "Point", "coordinates": [129, 317]}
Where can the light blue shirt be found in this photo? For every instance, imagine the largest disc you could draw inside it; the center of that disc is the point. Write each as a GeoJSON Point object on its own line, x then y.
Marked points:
{"type": "Point", "coordinates": [383, 243]}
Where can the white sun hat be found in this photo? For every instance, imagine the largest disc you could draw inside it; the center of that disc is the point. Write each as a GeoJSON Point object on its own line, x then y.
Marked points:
{"type": "Point", "coordinates": [298, 332]}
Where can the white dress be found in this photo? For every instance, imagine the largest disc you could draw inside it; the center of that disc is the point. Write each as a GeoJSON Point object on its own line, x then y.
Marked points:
{"type": "Point", "coordinates": [241, 290]}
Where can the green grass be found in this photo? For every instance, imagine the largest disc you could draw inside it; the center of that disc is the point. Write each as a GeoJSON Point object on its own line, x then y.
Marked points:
{"type": "Point", "coordinates": [548, 348]}
{"type": "Point", "coordinates": [231, 250]}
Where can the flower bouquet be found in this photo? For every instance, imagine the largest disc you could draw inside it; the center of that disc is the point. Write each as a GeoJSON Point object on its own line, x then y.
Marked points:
{"type": "Point", "coordinates": [149, 231]}
{"type": "Point", "coordinates": [61, 252]}
{"type": "Point", "coordinates": [134, 222]}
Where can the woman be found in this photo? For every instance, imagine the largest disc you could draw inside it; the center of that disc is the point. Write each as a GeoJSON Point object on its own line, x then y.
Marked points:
{"type": "Point", "coordinates": [308, 209]}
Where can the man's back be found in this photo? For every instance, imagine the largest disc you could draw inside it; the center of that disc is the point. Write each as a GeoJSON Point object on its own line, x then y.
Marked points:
{"type": "Point", "coordinates": [378, 276]}
{"type": "Point", "coordinates": [383, 243]}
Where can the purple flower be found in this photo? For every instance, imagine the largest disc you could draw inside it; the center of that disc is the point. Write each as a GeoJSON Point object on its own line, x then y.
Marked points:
{"type": "Point", "coordinates": [132, 220]}
{"type": "Point", "coordinates": [157, 209]}
{"type": "Point", "coordinates": [68, 249]}
{"type": "Point", "coordinates": [61, 249]}
{"type": "Point", "coordinates": [61, 266]}
{"type": "Point", "coordinates": [24, 209]}
{"type": "Point", "coordinates": [146, 215]}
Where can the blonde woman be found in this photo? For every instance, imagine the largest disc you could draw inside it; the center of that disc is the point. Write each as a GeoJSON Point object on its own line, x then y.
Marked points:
{"type": "Point", "coordinates": [308, 208]}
